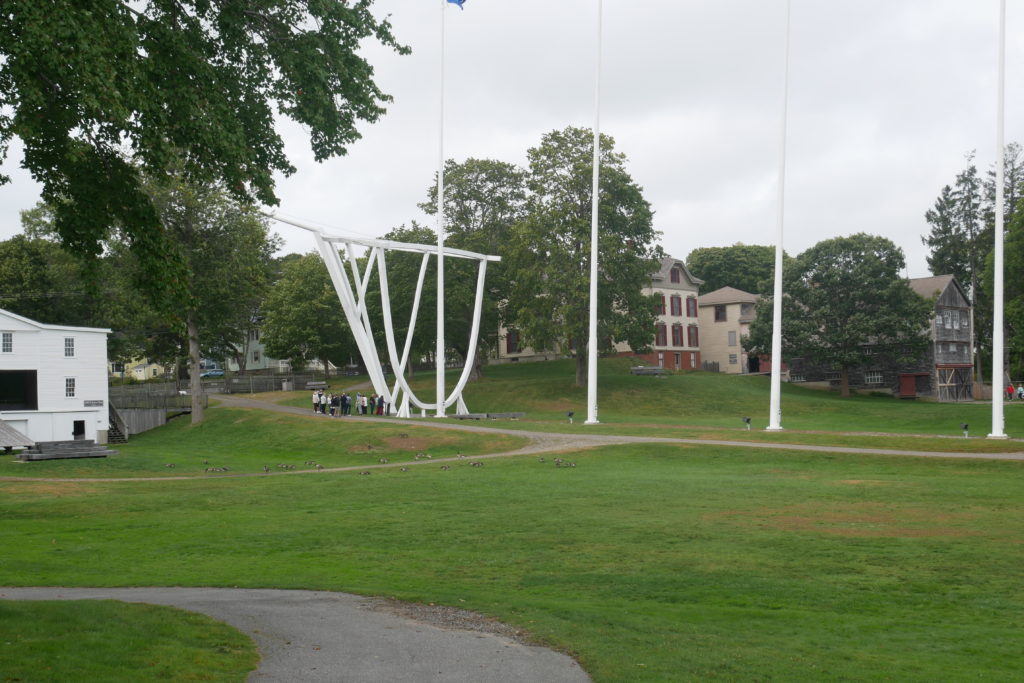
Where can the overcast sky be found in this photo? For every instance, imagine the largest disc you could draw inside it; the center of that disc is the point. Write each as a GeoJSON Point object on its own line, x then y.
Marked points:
{"type": "Point", "coordinates": [886, 99]}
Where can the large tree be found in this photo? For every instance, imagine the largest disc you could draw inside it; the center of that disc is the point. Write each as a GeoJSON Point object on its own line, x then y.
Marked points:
{"type": "Point", "coordinates": [302, 317]}
{"type": "Point", "coordinates": [844, 304]}
{"type": "Point", "coordinates": [748, 267]}
{"type": "Point", "coordinates": [192, 83]}
{"type": "Point", "coordinates": [226, 250]}
{"type": "Point", "coordinates": [1014, 290]}
{"type": "Point", "coordinates": [484, 199]}
{"type": "Point", "coordinates": [549, 259]}
{"type": "Point", "coordinates": [961, 238]}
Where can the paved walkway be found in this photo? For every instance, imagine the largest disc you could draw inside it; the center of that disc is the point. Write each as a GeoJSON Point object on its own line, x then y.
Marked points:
{"type": "Point", "coordinates": [541, 442]}
{"type": "Point", "coordinates": [331, 637]}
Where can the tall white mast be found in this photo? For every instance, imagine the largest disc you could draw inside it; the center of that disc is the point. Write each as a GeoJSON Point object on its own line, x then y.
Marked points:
{"type": "Point", "coordinates": [439, 350]}
{"type": "Point", "coordinates": [594, 205]}
{"type": "Point", "coordinates": [998, 373]}
{"type": "Point", "coordinates": [775, 407]}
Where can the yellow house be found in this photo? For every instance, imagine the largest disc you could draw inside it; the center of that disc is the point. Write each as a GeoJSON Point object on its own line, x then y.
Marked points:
{"type": "Point", "coordinates": [725, 317]}
{"type": "Point", "coordinates": [139, 369]}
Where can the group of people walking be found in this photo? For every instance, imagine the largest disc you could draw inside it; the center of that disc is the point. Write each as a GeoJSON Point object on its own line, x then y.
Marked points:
{"type": "Point", "coordinates": [1019, 391]}
{"type": "Point", "coordinates": [342, 404]}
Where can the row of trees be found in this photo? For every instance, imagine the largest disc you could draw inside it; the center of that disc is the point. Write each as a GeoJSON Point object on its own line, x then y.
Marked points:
{"type": "Point", "coordinates": [536, 218]}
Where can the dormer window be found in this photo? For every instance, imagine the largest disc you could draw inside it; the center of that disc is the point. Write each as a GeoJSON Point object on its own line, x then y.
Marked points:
{"type": "Point", "coordinates": [674, 275]}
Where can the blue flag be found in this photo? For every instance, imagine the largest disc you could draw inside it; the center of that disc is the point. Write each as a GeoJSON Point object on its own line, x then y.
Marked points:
{"type": "Point", "coordinates": [458, 2]}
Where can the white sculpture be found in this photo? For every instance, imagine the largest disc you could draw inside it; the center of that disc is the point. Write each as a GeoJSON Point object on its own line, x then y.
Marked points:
{"type": "Point", "coordinates": [352, 294]}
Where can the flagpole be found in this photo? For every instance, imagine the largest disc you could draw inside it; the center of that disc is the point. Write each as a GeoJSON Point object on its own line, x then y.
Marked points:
{"type": "Point", "coordinates": [439, 350]}
{"type": "Point", "coordinates": [998, 369]}
{"type": "Point", "coordinates": [594, 205]}
{"type": "Point", "coordinates": [775, 407]}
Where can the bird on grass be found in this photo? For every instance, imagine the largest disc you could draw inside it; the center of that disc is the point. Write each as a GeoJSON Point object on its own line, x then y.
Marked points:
{"type": "Point", "coordinates": [266, 469]}
{"type": "Point", "coordinates": [403, 469]}
{"type": "Point", "coordinates": [445, 467]}
{"type": "Point", "coordinates": [170, 464]}
{"type": "Point", "coordinates": [383, 461]}
{"type": "Point", "coordinates": [365, 472]}
{"type": "Point", "coordinates": [319, 467]}
{"type": "Point", "coordinates": [540, 459]}
{"type": "Point", "coordinates": [476, 464]}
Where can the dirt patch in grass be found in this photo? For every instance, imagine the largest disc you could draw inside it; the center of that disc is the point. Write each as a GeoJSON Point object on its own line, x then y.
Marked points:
{"type": "Point", "coordinates": [50, 489]}
{"type": "Point", "coordinates": [863, 520]}
{"type": "Point", "coordinates": [448, 618]}
{"type": "Point", "coordinates": [400, 443]}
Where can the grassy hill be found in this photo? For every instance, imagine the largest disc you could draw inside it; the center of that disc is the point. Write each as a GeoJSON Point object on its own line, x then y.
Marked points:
{"type": "Point", "coordinates": [545, 391]}
{"type": "Point", "coordinates": [649, 562]}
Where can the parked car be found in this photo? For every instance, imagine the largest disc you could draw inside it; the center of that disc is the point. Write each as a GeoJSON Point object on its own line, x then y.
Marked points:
{"type": "Point", "coordinates": [212, 373]}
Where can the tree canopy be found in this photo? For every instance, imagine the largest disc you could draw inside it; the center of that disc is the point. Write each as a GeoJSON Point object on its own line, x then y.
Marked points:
{"type": "Point", "coordinates": [844, 304]}
{"type": "Point", "coordinates": [302, 317]}
{"type": "Point", "coordinates": [484, 200]}
{"type": "Point", "coordinates": [748, 267]}
{"type": "Point", "coordinates": [962, 236]}
{"type": "Point", "coordinates": [102, 92]}
{"type": "Point", "coordinates": [549, 257]}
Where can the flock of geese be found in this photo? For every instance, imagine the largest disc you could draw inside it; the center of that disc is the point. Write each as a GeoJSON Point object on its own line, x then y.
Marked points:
{"type": "Point", "coordinates": [558, 462]}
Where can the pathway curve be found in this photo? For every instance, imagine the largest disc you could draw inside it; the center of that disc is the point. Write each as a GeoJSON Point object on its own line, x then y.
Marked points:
{"type": "Point", "coordinates": [541, 442]}
{"type": "Point", "coordinates": [319, 636]}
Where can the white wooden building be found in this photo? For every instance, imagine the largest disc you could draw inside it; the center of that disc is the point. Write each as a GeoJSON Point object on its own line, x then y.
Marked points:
{"type": "Point", "coordinates": [53, 380]}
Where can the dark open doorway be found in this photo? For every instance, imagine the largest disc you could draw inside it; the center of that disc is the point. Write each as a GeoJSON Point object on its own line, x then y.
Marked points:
{"type": "Point", "coordinates": [78, 429]}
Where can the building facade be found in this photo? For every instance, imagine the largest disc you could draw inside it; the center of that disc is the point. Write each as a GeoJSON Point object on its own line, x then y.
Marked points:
{"type": "Point", "coordinates": [53, 380]}
{"type": "Point", "coordinates": [725, 316]}
{"type": "Point", "coordinates": [944, 371]}
{"type": "Point", "coordinates": [677, 329]}
{"type": "Point", "coordinates": [677, 332]}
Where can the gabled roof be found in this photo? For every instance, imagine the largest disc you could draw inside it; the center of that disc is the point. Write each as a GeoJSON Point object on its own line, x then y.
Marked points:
{"type": "Point", "coordinates": [935, 286]}
{"type": "Point", "coordinates": [667, 264]}
{"type": "Point", "coordinates": [44, 326]}
{"type": "Point", "coordinates": [727, 295]}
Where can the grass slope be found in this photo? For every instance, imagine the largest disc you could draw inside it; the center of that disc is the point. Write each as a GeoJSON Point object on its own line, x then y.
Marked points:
{"type": "Point", "coordinates": [546, 391]}
{"type": "Point", "coordinates": [106, 641]}
{"type": "Point", "coordinates": [648, 562]}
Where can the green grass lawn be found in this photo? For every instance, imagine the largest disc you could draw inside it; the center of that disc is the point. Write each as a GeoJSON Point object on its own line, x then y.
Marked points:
{"type": "Point", "coordinates": [546, 393]}
{"type": "Point", "coordinates": [247, 441]}
{"type": "Point", "coordinates": [103, 640]}
{"type": "Point", "coordinates": [647, 562]}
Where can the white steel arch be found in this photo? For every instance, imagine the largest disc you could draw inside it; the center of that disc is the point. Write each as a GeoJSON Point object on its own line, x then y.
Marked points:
{"type": "Point", "coordinates": [352, 294]}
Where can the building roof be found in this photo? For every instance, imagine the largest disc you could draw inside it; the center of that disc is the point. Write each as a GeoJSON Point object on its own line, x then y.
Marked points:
{"type": "Point", "coordinates": [727, 295]}
{"type": "Point", "coordinates": [12, 438]}
{"type": "Point", "coordinates": [667, 264]}
{"type": "Point", "coordinates": [45, 326]}
{"type": "Point", "coordinates": [928, 287]}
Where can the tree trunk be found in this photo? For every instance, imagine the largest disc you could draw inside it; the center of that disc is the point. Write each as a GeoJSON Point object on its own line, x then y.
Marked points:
{"type": "Point", "coordinates": [844, 382]}
{"type": "Point", "coordinates": [581, 366]}
{"type": "Point", "coordinates": [195, 381]}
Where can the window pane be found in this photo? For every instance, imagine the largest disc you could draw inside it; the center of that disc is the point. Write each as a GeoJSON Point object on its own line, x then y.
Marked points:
{"type": "Point", "coordinates": [8, 342]}
{"type": "Point", "coordinates": [69, 347]}
{"type": "Point", "coordinates": [69, 387]}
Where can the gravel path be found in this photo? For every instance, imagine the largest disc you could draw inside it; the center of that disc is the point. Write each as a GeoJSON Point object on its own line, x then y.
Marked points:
{"type": "Point", "coordinates": [319, 636]}
{"type": "Point", "coordinates": [545, 442]}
